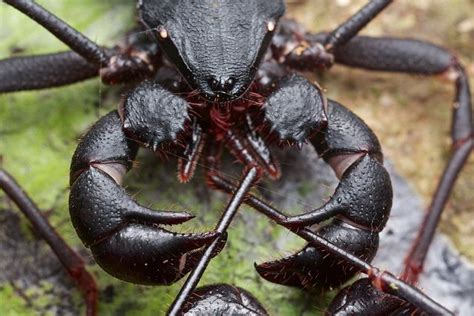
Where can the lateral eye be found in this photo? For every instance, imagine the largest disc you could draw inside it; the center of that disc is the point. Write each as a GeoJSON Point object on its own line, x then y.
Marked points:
{"type": "Point", "coordinates": [162, 32]}
{"type": "Point", "coordinates": [271, 25]}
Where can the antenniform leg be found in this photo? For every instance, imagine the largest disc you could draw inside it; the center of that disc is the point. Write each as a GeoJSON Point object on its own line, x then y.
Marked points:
{"type": "Point", "coordinates": [355, 23]}
{"type": "Point", "coordinates": [251, 151]}
{"type": "Point", "coordinates": [418, 57]}
{"type": "Point", "coordinates": [71, 261]}
{"type": "Point", "coordinates": [231, 209]}
{"type": "Point", "coordinates": [106, 218]}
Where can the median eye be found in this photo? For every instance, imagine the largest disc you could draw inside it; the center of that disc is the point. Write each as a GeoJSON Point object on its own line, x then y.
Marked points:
{"type": "Point", "coordinates": [229, 84]}
{"type": "Point", "coordinates": [219, 85]}
{"type": "Point", "coordinates": [214, 83]}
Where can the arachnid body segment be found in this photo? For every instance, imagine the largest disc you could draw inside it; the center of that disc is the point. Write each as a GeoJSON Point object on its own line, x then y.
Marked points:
{"type": "Point", "coordinates": [237, 30]}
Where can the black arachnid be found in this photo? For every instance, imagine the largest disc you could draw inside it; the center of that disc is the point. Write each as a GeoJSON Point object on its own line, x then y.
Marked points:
{"type": "Point", "coordinates": [207, 77]}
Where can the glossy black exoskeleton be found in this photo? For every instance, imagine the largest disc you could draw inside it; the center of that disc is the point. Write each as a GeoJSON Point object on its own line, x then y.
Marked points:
{"type": "Point", "coordinates": [222, 74]}
{"type": "Point", "coordinates": [222, 299]}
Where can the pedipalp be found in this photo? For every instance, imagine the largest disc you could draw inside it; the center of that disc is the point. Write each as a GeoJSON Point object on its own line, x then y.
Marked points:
{"type": "Point", "coordinates": [107, 219]}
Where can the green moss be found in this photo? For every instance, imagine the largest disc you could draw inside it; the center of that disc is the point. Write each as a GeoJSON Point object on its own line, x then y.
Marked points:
{"type": "Point", "coordinates": [304, 189]}
{"type": "Point", "coordinates": [11, 304]}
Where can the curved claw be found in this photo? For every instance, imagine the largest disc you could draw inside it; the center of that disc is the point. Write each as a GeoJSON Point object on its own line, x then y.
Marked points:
{"type": "Point", "coordinates": [361, 298]}
{"type": "Point", "coordinates": [313, 268]}
{"type": "Point", "coordinates": [307, 219]}
{"type": "Point", "coordinates": [308, 269]}
{"type": "Point", "coordinates": [151, 255]}
{"type": "Point", "coordinates": [289, 271]}
{"type": "Point", "coordinates": [124, 237]}
{"type": "Point", "coordinates": [99, 207]}
{"type": "Point", "coordinates": [364, 196]}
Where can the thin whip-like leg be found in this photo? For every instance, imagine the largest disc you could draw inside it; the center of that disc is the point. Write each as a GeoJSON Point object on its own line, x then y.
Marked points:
{"type": "Point", "coordinates": [462, 148]}
{"type": "Point", "coordinates": [44, 71]}
{"type": "Point", "coordinates": [415, 259]}
{"type": "Point", "coordinates": [237, 198]}
{"type": "Point", "coordinates": [384, 281]}
{"type": "Point", "coordinates": [69, 258]}
{"type": "Point", "coordinates": [51, 70]}
{"type": "Point", "coordinates": [79, 43]}
{"type": "Point", "coordinates": [248, 153]}
{"type": "Point", "coordinates": [358, 21]}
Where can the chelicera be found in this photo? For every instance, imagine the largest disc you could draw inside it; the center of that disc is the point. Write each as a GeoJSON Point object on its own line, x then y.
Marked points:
{"type": "Point", "coordinates": [242, 98]}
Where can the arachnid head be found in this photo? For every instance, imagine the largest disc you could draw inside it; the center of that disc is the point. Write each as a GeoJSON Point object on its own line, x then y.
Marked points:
{"type": "Point", "coordinates": [217, 45]}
